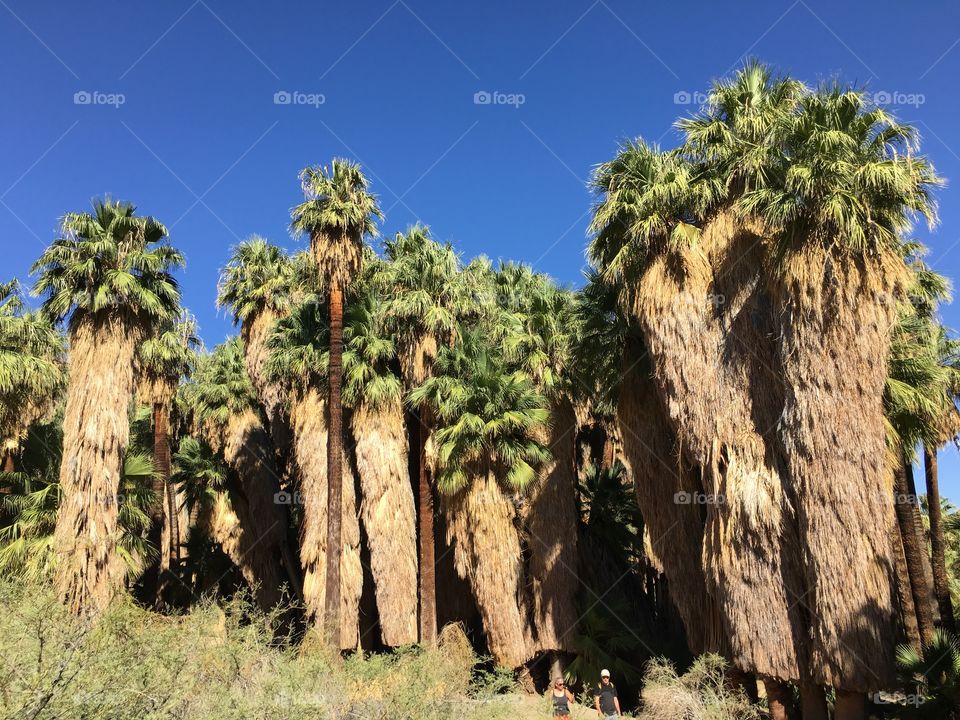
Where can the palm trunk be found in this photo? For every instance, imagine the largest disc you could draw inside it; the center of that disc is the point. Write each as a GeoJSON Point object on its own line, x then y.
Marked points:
{"type": "Point", "coordinates": [89, 571]}
{"type": "Point", "coordinates": [717, 398]}
{"type": "Point", "coordinates": [272, 396]}
{"type": "Point", "coordinates": [779, 700]}
{"type": "Point", "coordinates": [850, 706]}
{"type": "Point", "coordinates": [487, 553]}
{"type": "Point", "coordinates": [908, 613]}
{"type": "Point", "coordinates": [837, 317]}
{"type": "Point", "coordinates": [941, 586]}
{"type": "Point", "coordinates": [9, 464]}
{"type": "Point", "coordinates": [308, 418]}
{"type": "Point", "coordinates": [389, 517]}
{"type": "Point", "coordinates": [552, 525]}
{"type": "Point", "coordinates": [334, 463]}
{"type": "Point", "coordinates": [913, 550]}
{"type": "Point", "coordinates": [427, 554]}
{"type": "Point", "coordinates": [813, 702]}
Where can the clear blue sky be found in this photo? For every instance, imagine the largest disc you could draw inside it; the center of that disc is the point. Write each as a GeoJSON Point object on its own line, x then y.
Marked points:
{"type": "Point", "coordinates": [199, 141]}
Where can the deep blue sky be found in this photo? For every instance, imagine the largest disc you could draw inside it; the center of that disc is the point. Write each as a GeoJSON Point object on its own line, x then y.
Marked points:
{"type": "Point", "coordinates": [199, 142]}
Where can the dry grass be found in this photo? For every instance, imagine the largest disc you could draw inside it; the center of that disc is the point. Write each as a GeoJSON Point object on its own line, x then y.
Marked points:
{"type": "Point", "coordinates": [838, 313]}
{"type": "Point", "coordinates": [95, 434]}
{"type": "Point", "coordinates": [481, 528]}
{"type": "Point", "coordinates": [552, 527]}
{"type": "Point", "coordinates": [308, 417]}
{"type": "Point", "coordinates": [389, 517]}
{"type": "Point", "coordinates": [700, 694]}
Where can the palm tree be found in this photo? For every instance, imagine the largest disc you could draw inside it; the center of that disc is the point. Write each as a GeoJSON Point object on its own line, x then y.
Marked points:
{"type": "Point", "coordinates": [110, 275]}
{"type": "Point", "coordinates": [423, 297]}
{"type": "Point", "coordinates": [838, 200]}
{"type": "Point", "coordinates": [374, 392]}
{"type": "Point", "coordinates": [32, 373]}
{"type": "Point", "coordinates": [536, 322]}
{"type": "Point", "coordinates": [256, 285]}
{"type": "Point", "coordinates": [163, 361]}
{"type": "Point", "coordinates": [338, 213]}
{"type": "Point", "coordinates": [715, 385]}
{"type": "Point", "coordinates": [488, 420]}
{"type": "Point", "coordinates": [222, 405]}
{"type": "Point", "coordinates": [299, 353]}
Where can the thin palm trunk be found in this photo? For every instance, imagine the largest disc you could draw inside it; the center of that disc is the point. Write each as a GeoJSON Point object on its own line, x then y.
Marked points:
{"type": "Point", "coordinates": [165, 511]}
{"type": "Point", "coordinates": [908, 613]}
{"type": "Point", "coordinates": [913, 550]}
{"type": "Point", "coordinates": [95, 434]}
{"type": "Point", "coordinates": [334, 463]}
{"type": "Point", "coordinates": [779, 700]}
{"type": "Point", "coordinates": [813, 702]}
{"type": "Point", "coordinates": [850, 706]}
{"type": "Point", "coordinates": [427, 554]}
{"type": "Point", "coordinates": [388, 517]}
{"type": "Point", "coordinates": [940, 584]}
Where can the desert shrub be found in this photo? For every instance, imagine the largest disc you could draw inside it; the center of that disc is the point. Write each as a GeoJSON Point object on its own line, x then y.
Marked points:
{"type": "Point", "coordinates": [699, 694]}
{"type": "Point", "coordinates": [217, 661]}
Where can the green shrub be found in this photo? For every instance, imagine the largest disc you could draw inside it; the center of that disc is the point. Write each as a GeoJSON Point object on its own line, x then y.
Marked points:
{"type": "Point", "coordinates": [217, 662]}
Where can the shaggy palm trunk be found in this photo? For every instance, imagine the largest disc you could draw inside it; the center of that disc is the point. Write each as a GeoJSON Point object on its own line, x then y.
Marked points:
{"type": "Point", "coordinates": [248, 451]}
{"type": "Point", "coordinates": [427, 589]}
{"type": "Point", "coordinates": [714, 396]}
{"type": "Point", "coordinates": [272, 396]}
{"type": "Point", "coordinates": [913, 551]}
{"type": "Point", "coordinates": [486, 545]}
{"type": "Point", "coordinates": [389, 517]}
{"type": "Point", "coordinates": [552, 526]}
{"type": "Point", "coordinates": [675, 529]}
{"type": "Point", "coordinates": [335, 462]}
{"type": "Point", "coordinates": [9, 464]}
{"type": "Point", "coordinates": [308, 418]}
{"type": "Point", "coordinates": [95, 433]}
{"type": "Point", "coordinates": [941, 586]}
{"type": "Point", "coordinates": [164, 510]}
{"type": "Point", "coordinates": [837, 317]}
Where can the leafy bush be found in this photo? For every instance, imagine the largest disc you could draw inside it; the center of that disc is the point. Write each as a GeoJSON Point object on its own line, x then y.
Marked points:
{"type": "Point", "coordinates": [216, 662]}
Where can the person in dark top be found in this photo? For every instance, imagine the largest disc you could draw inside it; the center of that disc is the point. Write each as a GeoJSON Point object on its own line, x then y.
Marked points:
{"type": "Point", "coordinates": [605, 697]}
{"type": "Point", "coordinates": [561, 700]}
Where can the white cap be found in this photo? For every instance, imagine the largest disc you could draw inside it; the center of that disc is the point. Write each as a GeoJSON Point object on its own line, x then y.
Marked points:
{"type": "Point", "coordinates": [604, 673]}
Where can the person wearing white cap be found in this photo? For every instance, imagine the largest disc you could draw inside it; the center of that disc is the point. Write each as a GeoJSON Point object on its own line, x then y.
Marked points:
{"type": "Point", "coordinates": [605, 697]}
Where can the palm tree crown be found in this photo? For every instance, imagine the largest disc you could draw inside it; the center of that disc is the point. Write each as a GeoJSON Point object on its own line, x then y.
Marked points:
{"type": "Point", "coordinates": [257, 277]}
{"type": "Point", "coordinates": [109, 261]}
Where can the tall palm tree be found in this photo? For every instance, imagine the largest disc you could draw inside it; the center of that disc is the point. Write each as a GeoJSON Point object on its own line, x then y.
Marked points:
{"type": "Point", "coordinates": [374, 392]}
{"type": "Point", "coordinates": [337, 214]}
{"type": "Point", "coordinates": [223, 408]}
{"type": "Point", "coordinates": [164, 359]}
{"type": "Point", "coordinates": [299, 353]}
{"type": "Point", "coordinates": [256, 285]}
{"type": "Point", "coordinates": [487, 453]}
{"type": "Point", "coordinates": [423, 297]}
{"type": "Point", "coordinates": [838, 199]}
{"type": "Point", "coordinates": [660, 238]}
{"type": "Point", "coordinates": [536, 323]}
{"type": "Point", "coordinates": [32, 373]}
{"type": "Point", "coordinates": [110, 275]}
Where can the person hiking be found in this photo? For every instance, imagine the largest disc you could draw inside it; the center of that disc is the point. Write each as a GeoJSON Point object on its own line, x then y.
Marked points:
{"type": "Point", "coordinates": [605, 698]}
{"type": "Point", "coordinates": [562, 698]}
